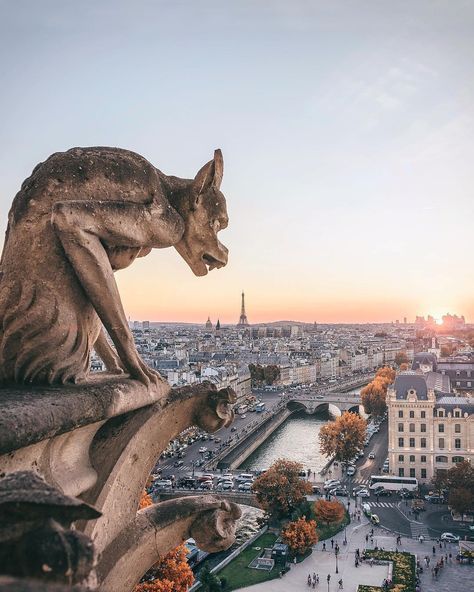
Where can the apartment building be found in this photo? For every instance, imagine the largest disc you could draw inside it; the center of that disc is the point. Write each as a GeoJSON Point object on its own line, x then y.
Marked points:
{"type": "Point", "coordinates": [430, 427]}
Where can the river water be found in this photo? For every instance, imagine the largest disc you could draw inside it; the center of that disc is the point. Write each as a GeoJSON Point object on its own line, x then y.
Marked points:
{"type": "Point", "coordinates": [296, 439]}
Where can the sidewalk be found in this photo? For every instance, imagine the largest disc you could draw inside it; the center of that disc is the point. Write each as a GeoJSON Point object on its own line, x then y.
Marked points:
{"type": "Point", "coordinates": [453, 578]}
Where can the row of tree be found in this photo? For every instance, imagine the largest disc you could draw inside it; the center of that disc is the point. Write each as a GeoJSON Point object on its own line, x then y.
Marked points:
{"type": "Point", "coordinates": [374, 395]}
{"type": "Point", "coordinates": [264, 374]}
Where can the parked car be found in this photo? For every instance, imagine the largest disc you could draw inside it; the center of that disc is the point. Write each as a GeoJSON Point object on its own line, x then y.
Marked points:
{"type": "Point", "coordinates": [243, 416]}
{"type": "Point", "coordinates": [406, 494]}
{"type": "Point", "coordinates": [246, 486]}
{"type": "Point", "coordinates": [331, 483]}
{"type": "Point", "coordinates": [207, 485]}
{"type": "Point", "coordinates": [351, 471]}
{"type": "Point", "coordinates": [225, 486]}
{"type": "Point", "coordinates": [233, 429]}
{"type": "Point", "coordinates": [366, 509]}
{"type": "Point", "coordinates": [203, 449]}
{"type": "Point", "coordinates": [372, 455]}
{"type": "Point", "coordinates": [178, 463]}
{"type": "Point", "coordinates": [434, 499]}
{"type": "Point", "coordinates": [449, 537]}
{"type": "Point", "coordinates": [316, 490]}
{"type": "Point", "coordinates": [217, 440]}
{"type": "Point", "coordinates": [375, 519]}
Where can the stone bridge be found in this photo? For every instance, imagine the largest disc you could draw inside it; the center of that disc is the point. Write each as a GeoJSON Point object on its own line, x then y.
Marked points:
{"type": "Point", "coordinates": [245, 499]}
{"type": "Point", "coordinates": [334, 403]}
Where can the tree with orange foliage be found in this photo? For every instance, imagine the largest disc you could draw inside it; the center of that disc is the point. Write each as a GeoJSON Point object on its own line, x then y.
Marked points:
{"type": "Point", "coordinates": [280, 490]}
{"type": "Point", "coordinates": [403, 367]}
{"type": "Point", "coordinates": [170, 574]}
{"type": "Point", "coordinates": [373, 397]}
{"type": "Point", "coordinates": [374, 394]}
{"type": "Point", "coordinates": [145, 501]}
{"type": "Point", "coordinates": [387, 373]}
{"type": "Point", "coordinates": [344, 437]}
{"type": "Point", "coordinates": [329, 512]}
{"type": "Point", "coordinates": [300, 535]}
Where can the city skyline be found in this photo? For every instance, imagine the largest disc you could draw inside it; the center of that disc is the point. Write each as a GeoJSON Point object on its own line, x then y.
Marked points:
{"type": "Point", "coordinates": [346, 129]}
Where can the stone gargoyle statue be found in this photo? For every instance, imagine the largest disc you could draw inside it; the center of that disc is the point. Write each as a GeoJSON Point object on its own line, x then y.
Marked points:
{"type": "Point", "coordinates": [80, 216]}
{"type": "Point", "coordinates": [36, 539]}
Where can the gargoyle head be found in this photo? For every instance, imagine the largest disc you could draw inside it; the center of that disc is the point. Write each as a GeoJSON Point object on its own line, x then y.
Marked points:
{"type": "Point", "coordinates": [215, 411]}
{"type": "Point", "coordinates": [214, 530]}
{"type": "Point", "coordinates": [203, 209]}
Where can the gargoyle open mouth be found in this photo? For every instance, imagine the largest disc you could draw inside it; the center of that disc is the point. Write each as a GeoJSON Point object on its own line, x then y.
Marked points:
{"type": "Point", "coordinates": [212, 262]}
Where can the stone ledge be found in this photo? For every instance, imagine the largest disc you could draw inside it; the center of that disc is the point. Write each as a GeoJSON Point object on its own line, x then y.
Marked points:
{"type": "Point", "coordinates": [30, 414]}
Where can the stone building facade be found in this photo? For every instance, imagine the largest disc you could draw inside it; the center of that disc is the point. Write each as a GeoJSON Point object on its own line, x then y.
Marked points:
{"type": "Point", "coordinates": [430, 428]}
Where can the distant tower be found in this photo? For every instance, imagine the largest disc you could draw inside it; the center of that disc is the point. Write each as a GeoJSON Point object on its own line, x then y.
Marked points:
{"type": "Point", "coordinates": [218, 326]}
{"type": "Point", "coordinates": [208, 324]}
{"type": "Point", "coordinates": [243, 322]}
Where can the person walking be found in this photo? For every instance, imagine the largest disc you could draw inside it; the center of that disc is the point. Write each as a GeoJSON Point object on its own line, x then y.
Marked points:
{"type": "Point", "coordinates": [434, 550]}
{"type": "Point", "coordinates": [324, 546]}
{"type": "Point", "coordinates": [341, 586]}
{"type": "Point", "coordinates": [332, 543]}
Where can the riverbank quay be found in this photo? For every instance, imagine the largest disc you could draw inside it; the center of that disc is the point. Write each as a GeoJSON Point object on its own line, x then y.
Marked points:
{"type": "Point", "coordinates": [453, 577]}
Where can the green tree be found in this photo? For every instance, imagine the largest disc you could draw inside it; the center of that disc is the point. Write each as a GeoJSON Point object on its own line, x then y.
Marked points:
{"type": "Point", "coordinates": [280, 490]}
{"type": "Point", "coordinates": [209, 581]}
{"type": "Point", "coordinates": [461, 500]}
{"type": "Point", "coordinates": [343, 437]}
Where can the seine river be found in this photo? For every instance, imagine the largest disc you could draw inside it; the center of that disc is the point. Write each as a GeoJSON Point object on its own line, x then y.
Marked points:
{"type": "Point", "coordinates": [296, 439]}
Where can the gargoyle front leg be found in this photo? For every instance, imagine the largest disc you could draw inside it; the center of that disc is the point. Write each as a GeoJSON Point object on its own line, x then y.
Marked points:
{"type": "Point", "coordinates": [84, 227]}
{"type": "Point", "coordinates": [107, 354]}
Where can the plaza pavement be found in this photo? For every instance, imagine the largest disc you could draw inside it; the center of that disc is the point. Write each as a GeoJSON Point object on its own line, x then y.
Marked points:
{"type": "Point", "coordinates": [452, 578]}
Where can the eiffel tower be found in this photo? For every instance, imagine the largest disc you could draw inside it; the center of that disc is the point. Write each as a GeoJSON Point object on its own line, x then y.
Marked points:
{"type": "Point", "coordinates": [243, 322]}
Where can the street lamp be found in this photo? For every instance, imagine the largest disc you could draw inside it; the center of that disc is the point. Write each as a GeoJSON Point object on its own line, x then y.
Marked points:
{"type": "Point", "coordinates": [328, 580]}
{"type": "Point", "coordinates": [345, 537]}
{"type": "Point", "coordinates": [336, 551]}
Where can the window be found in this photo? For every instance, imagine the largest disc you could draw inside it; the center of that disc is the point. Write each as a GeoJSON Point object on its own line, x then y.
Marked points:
{"type": "Point", "coordinates": [412, 427]}
{"type": "Point", "coordinates": [441, 443]}
{"type": "Point", "coordinates": [412, 473]}
{"type": "Point", "coordinates": [400, 427]}
{"type": "Point", "coordinates": [457, 428]}
{"type": "Point", "coordinates": [412, 442]}
{"type": "Point", "coordinates": [457, 413]}
{"type": "Point", "coordinates": [457, 443]}
{"type": "Point", "coordinates": [423, 458]}
{"type": "Point", "coordinates": [441, 459]}
{"type": "Point", "coordinates": [441, 427]}
{"type": "Point", "coordinates": [412, 458]}
{"type": "Point", "coordinates": [412, 414]}
{"type": "Point", "coordinates": [440, 413]}
{"type": "Point", "coordinates": [401, 458]}
{"type": "Point", "coordinates": [423, 414]}
{"type": "Point", "coordinates": [423, 427]}
{"type": "Point", "coordinates": [400, 414]}
{"type": "Point", "coordinates": [401, 472]}
{"type": "Point", "coordinates": [457, 459]}
{"type": "Point", "coordinates": [423, 442]}
{"type": "Point", "coordinates": [458, 383]}
{"type": "Point", "coordinates": [423, 473]}
{"type": "Point", "coordinates": [401, 444]}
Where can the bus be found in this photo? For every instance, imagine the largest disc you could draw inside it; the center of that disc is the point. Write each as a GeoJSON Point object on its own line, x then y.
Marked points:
{"type": "Point", "coordinates": [259, 407]}
{"type": "Point", "coordinates": [393, 483]}
{"type": "Point", "coordinates": [242, 409]}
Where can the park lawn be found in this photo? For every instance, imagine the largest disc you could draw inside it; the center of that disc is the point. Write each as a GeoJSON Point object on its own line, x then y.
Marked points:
{"type": "Point", "coordinates": [238, 575]}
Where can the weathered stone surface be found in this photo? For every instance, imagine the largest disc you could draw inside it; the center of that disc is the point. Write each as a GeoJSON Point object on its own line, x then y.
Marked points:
{"type": "Point", "coordinates": [209, 519]}
{"type": "Point", "coordinates": [33, 414]}
{"type": "Point", "coordinates": [35, 536]}
{"type": "Point", "coordinates": [80, 216]}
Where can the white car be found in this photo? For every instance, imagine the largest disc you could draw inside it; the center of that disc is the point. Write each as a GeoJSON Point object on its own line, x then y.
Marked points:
{"type": "Point", "coordinates": [362, 493]}
{"type": "Point", "coordinates": [449, 537]}
{"type": "Point", "coordinates": [203, 449]}
{"type": "Point", "coordinates": [247, 486]}
{"type": "Point", "coordinates": [351, 471]}
{"type": "Point", "coordinates": [330, 483]}
{"type": "Point", "coordinates": [372, 455]}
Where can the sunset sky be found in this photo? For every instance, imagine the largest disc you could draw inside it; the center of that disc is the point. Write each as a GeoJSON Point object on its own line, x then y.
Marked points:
{"type": "Point", "coordinates": [347, 129]}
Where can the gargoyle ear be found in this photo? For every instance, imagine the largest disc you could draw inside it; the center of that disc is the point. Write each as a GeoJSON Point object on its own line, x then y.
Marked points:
{"type": "Point", "coordinates": [210, 175]}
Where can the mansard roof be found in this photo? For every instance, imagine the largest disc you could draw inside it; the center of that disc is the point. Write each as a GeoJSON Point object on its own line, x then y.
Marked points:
{"type": "Point", "coordinates": [423, 358]}
{"type": "Point", "coordinates": [408, 381]}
